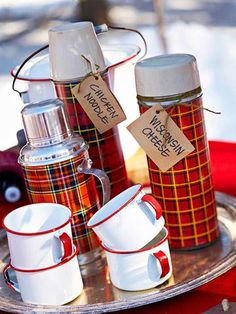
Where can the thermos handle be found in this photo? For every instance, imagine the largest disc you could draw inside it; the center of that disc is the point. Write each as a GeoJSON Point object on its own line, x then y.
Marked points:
{"type": "Point", "coordinates": [11, 284]}
{"type": "Point", "coordinates": [85, 167]}
{"type": "Point", "coordinates": [154, 203]}
{"type": "Point", "coordinates": [164, 262]}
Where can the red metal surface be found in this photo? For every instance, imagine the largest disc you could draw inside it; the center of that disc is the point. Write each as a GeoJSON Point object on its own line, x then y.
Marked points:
{"type": "Point", "coordinates": [104, 149]}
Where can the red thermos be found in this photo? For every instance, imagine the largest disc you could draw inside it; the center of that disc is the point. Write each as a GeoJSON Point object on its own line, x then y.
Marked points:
{"type": "Point", "coordinates": [68, 45]}
{"type": "Point", "coordinates": [185, 191]}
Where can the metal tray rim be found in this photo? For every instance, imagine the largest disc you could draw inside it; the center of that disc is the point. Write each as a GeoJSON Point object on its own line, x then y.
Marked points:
{"type": "Point", "coordinates": [148, 297]}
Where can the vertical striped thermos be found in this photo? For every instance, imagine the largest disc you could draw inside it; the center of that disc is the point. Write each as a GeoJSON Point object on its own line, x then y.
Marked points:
{"type": "Point", "coordinates": [185, 190]}
{"type": "Point", "coordinates": [69, 47]}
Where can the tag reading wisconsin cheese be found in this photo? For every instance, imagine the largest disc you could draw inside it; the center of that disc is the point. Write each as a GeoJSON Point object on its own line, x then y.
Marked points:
{"type": "Point", "coordinates": [163, 142]}
{"type": "Point", "coordinates": [99, 103]}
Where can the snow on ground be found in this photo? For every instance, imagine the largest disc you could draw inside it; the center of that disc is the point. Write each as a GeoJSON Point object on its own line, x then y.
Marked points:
{"type": "Point", "coordinates": [214, 48]}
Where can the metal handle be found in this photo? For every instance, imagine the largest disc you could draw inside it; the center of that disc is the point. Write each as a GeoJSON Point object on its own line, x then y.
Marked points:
{"type": "Point", "coordinates": [85, 167]}
{"type": "Point", "coordinates": [134, 31]}
{"type": "Point", "coordinates": [98, 29]}
{"type": "Point", "coordinates": [164, 262]}
{"type": "Point", "coordinates": [154, 203]}
{"type": "Point", "coordinates": [11, 284]}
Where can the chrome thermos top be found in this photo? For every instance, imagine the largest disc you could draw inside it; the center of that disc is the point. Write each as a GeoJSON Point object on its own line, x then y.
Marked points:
{"type": "Point", "coordinates": [45, 123]}
{"type": "Point", "coordinates": [48, 134]}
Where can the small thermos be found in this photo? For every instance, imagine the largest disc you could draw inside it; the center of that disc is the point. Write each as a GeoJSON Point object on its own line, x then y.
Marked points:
{"type": "Point", "coordinates": [185, 191]}
{"type": "Point", "coordinates": [57, 169]}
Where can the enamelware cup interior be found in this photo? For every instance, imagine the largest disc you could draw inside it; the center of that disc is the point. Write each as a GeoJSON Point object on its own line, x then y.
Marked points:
{"type": "Point", "coordinates": [35, 218]}
{"type": "Point", "coordinates": [161, 237]}
{"type": "Point", "coordinates": [158, 239]}
{"type": "Point", "coordinates": [114, 205]}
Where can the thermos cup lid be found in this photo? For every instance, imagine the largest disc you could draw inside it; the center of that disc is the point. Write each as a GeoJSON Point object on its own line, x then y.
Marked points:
{"type": "Point", "coordinates": [166, 75]}
{"type": "Point", "coordinates": [45, 122]}
{"type": "Point", "coordinates": [67, 43]}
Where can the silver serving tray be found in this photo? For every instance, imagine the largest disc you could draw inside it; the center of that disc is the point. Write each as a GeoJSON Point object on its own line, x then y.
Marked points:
{"type": "Point", "coordinates": [191, 269]}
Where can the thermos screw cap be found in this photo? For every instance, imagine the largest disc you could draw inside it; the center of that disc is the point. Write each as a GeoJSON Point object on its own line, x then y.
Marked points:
{"type": "Point", "coordinates": [45, 122]}
{"type": "Point", "coordinates": [166, 75]}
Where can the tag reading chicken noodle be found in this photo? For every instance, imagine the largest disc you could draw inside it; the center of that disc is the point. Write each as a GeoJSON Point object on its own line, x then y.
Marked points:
{"type": "Point", "coordinates": [99, 103]}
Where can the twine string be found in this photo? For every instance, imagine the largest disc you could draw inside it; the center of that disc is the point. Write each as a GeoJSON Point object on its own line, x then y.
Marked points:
{"type": "Point", "coordinates": [172, 108]}
{"type": "Point", "coordinates": [95, 75]}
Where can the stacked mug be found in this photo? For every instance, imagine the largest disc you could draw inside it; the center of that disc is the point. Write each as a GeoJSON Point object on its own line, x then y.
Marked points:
{"type": "Point", "coordinates": [132, 233]}
{"type": "Point", "coordinates": [42, 254]}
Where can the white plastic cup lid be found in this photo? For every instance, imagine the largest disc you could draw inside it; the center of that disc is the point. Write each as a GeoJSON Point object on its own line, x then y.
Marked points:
{"type": "Point", "coordinates": [67, 43]}
{"type": "Point", "coordinates": [166, 75]}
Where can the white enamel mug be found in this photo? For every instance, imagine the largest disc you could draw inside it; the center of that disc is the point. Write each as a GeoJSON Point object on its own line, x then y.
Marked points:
{"type": "Point", "coordinates": [67, 43]}
{"type": "Point", "coordinates": [128, 221]}
{"type": "Point", "coordinates": [39, 235]}
{"type": "Point", "coordinates": [142, 269]}
{"type": "Point", "coordinates": [55, 285]}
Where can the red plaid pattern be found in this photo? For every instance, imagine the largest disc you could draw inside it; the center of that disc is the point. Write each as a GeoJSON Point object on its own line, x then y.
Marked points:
{"type": "Point", "coordinates": [61, 183]}
{"type": "Point", "coordinates": [104, 149]}
{"type": "Point", "coordinates": [185, 191]}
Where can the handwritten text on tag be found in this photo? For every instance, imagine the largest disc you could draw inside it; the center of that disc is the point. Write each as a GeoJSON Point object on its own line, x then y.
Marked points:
{"type": "Point", "coordinates": [161, 139]}
{"type": "Point", "coordinates": [99, 103]}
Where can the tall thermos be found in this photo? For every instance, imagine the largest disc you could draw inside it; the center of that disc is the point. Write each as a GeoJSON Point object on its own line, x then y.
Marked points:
{"type": "Point", "coordinates": [185, 190]}
{"type": "Point", "coordinates": [69, 45]}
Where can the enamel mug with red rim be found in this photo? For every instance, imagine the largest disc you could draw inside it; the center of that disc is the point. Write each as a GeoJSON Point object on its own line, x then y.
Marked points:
{"type": "Point", "coordinates": [141, 269]}
{"type": "Point", "coordinates": [54, 285]}
{"type": "Point", "coordinates": [39, 235]}
{"type": "Point", "coordinates": [128, 221]}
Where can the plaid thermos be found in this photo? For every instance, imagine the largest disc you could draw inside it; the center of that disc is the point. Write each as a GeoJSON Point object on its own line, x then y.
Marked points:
{"type": "Point", "coordinates": [56, 168]}
{"type": "Point", "coordinates": [185, 191]}
{"type": "Point", "coordinates": [70, 48]}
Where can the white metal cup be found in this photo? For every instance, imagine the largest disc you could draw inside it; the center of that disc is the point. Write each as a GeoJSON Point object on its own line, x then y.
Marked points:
{"type": "Point", "coordinates": [54, 285]}
{"type": "Point", "coordinates": [141, 269]}
{"type": "Point", "coordinates": [67, 44]}
{"type": "Point", "coordinates": [128, 221]}
{"type": "Point", "coordinates": [39, 235]}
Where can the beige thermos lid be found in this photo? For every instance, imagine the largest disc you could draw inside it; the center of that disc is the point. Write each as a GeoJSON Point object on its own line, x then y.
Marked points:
{"type": "Point", "coordinates": [166, 75]}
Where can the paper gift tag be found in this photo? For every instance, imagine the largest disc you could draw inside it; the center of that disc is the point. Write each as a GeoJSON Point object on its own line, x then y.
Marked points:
{"type": "Point", "coordinates": [161, 139]}
{"type": "Point", "coordinates": [99, 103]}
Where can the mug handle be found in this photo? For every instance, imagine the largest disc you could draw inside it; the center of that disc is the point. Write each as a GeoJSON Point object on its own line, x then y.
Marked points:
{"type": "Point", "coordinates": [85, 167]}
{"type": "Point", "coordinates": [66, 244]}
{"type": "Point", "coordinates": [154, 203]}
{"type": "Point", "coordinates": [11, 284]}
{"type": "Point", "coordinates": [164, 262]}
